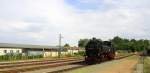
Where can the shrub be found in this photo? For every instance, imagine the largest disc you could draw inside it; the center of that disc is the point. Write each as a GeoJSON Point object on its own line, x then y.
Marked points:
{"type": "Point", "coordinates": [80, 53]}
{"type": "Point", "coordinates": [9, 57]}
{"type": "Point", "coordinates": [68, 55]}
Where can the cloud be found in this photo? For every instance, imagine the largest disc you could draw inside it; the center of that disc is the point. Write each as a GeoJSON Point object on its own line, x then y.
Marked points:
{"type": "Point", "coordinates": [40, 21]}
{"type": "Point", "coordinates": [122, 18]}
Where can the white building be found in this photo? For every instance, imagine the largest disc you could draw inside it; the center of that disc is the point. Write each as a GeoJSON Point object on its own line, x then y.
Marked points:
{"type": "Point", "coordinates": [73, 50]}
{"type": "Point", "coordinates": [4, 51]}
{"type": "Point", "coordinates": [6, 48]}
{"type": "Point", "coordinates": [46, 51]}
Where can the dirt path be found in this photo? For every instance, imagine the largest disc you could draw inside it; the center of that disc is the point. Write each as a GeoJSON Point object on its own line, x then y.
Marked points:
{"type": "Point", "coordinates": [125, 65]}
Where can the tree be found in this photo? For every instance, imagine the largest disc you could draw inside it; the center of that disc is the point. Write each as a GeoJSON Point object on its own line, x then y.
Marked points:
{"type": "Point", "coordinates": [66, 46]}
{"type": "Point", "coordinates": [146, 44]}
{"type": "Point", "coordinates": [118, 43]}
{"type": "Point", "coordinates": [130, 45]}
{"type": "Point", "coordinates": [82, 43]}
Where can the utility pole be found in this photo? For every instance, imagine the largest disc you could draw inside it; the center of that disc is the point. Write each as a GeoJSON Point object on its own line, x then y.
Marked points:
{"type": "Point", "coordinates": [59, 51]}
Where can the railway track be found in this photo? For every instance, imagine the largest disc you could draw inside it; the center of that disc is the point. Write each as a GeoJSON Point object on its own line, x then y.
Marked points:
{"type": "Point", "coordinates": [117, 58]}
{"type": "Point", "coordinates": [34, 63]}
{"type": "Point", "coordinates": [39, 65]}
{"type": "Point", "coordinates": [36, 66]}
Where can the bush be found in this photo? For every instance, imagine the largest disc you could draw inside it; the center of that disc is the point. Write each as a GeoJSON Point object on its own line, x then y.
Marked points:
{"type": "Point", "coordinates": [80, 53]}
{"type": "Point", "coordinates": [9, 57]}
{"type": "Point", "coordinates": [68, 55]}
{"type": "Point", "coordinates": [147, 65]}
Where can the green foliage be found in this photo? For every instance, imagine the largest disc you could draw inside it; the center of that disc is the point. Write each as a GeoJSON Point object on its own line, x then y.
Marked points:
{"type": "Point", "coordinates": [122, 53]}
{"type": "Point", "coordinates": [66, 45]}
{"type": "Point", "coordinates": [80, 53]}
{"type": "Point", "coordinates": [9, 57]}
{"type": "Point", "coordinates": [147, 65]}
{"type": "Point", "coordinates": [120, 44]}
{"type": "Point", "coordinates": [82, 42]}
{"type": "Point", "coordinates": [69, 55]}
{"type": "Point", "coordinates": [130, 45]}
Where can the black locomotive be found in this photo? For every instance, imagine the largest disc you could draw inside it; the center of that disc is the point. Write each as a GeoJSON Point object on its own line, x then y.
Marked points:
{"type": "Point", "coordinates": [98, 51]}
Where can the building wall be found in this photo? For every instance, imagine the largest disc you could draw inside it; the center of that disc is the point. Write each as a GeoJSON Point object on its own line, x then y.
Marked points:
{"type": "Point", "coordinates": [50, 54]}
{"type": "Point", "coordinates": [4, 51]}
{"type": "Point", "coordinates": [34, 52]}
{"type": "Point", "coordinates": [71, 51]}
{"type": "Point", "coordinates": [64, 53]}
{"type": "Point", "coordinates": [47, 53]}
{"type": "Point", "coordinates": [55, 53]}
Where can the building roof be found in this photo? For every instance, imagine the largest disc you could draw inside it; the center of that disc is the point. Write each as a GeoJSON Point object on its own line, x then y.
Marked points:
{"type": "Point", "coordinates": [10, 45]}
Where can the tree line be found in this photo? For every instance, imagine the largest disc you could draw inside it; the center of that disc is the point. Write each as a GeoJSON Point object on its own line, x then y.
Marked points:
{"type": "Point", "coordinates": [119, 43]}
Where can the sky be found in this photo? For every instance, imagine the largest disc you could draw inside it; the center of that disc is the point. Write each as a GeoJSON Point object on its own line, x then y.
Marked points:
{"type": "Point", "coordinates": [41, 21]}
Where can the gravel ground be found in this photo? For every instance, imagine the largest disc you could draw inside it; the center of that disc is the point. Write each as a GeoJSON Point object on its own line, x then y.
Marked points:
{"type": "Point", "coordinates": [33, 66]}
{"type": "Point", "coordinates": [126, 65]}
{"type": "Point", "coordinates": [53, 69]}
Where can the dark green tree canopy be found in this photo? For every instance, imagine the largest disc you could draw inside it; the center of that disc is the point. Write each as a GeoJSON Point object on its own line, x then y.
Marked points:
{"type": "Point", "coordinates": [66, 45]}
{"type": "Point", "coordinates": [82, 42]}
{"type": "Point", "coordinates": [130, 45]}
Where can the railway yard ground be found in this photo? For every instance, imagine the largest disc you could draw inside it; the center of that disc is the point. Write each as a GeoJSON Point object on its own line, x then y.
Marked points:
{"type": "Point", "coordinates": [130, 64]}
{"type": "Point", "coordinates": [125, 65]}
{"type": "Point", "coordinates": [36, 65]}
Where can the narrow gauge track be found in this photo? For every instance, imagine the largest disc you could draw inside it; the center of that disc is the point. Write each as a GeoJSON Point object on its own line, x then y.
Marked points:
{"type": "Point", "coordinates": [34, 63]}
{"type": "Point", "coordinates": [64, 70]}
{"type": "Point", "coordinates": [19, 69]}
{"type": "Point", "coordinates": [117, 58]}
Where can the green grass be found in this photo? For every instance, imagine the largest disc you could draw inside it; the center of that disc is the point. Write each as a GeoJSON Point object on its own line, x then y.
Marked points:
{"type": "Point", "coordinates": [122, 53]}
{"type": "Point", "coordinates": [18, 57]}
{"type": "Point", "coordinates": [147, 65]}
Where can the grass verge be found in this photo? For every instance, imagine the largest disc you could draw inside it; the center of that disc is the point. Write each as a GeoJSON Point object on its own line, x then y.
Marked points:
{"type": "Point", "coordinates": [147, 65]}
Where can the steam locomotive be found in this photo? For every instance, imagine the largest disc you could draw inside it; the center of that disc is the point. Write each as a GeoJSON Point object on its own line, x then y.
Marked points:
{"type": "Point", "coordinates": [98, 51]}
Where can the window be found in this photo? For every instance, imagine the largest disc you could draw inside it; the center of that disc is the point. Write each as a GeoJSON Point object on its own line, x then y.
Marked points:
{"type": "Point", "coordinates": [5, 51]}
{"type": "Point", "coordinates": [17, 51]}
{"type": "Point", "coordinates": [11, 51]}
